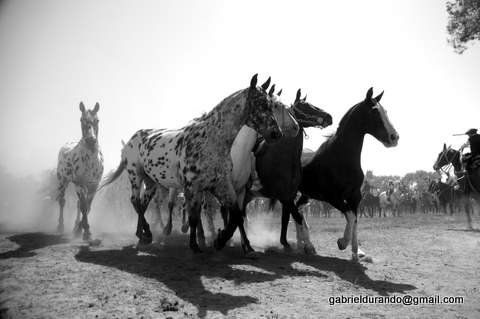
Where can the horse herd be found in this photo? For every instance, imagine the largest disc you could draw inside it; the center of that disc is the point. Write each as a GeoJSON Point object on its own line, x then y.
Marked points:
{"type": "Point", "coordinates": [249, 145]}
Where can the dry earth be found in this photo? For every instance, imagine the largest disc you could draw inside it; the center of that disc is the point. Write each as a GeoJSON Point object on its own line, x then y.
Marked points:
{"type": "Point", "coordinates": [45, 275]}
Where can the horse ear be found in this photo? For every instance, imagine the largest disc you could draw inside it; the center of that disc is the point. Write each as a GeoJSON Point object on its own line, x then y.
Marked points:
{"type": "Point", "coordinates": [379, 97]}
{"type": "Point", "coordinates": [253, 81]}
{"type": "Point", "coordinates": [82, 107]}
{"type": "Point", "coordinates": [299, 93]}
{"type": "Point", "coordinates": [444, 146]}
{"type": "Point", "coordinates": [96, 107]}
{"type": "Point", "coordinates": [272, 90]}
{"type": "Point", "coordinates": [304, 98]}
{"type": "Point", "coordinates": [279, 92]}
{"type": "Point", "coordinates": [369, 94]}
{"type": "Point", "coordinates": [266, 84]}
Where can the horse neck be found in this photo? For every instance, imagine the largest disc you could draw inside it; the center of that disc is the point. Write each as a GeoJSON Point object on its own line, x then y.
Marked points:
{"type": "Point", "coordinates": [91, 148]}
{"type": "Point", "coordinates": [349, 137]}
{"type": "Point", "coordinates": [457, 164]}
{"type": "Point", "coordinates": [227, 118]}
{"type": "Point", "coordinates": [245, 139]}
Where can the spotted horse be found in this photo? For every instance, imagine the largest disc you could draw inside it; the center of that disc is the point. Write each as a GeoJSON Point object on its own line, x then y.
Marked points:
{"type": "Point", "coordinates": [197, 157]}
{"type": "Point", "coordinates": [243, 165]}
{"type": "Point", "coordinates": [81, 164]}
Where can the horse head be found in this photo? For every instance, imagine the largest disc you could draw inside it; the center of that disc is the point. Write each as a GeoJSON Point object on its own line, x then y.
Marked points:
{"type": "Point", "coordinates": [376, 120]}
{"type": "Point", "coordinates": [89, 123]}
{"type": "Point", "coordinates": [267, 114]}
{"type": "Point", "coordinates": [308, 115]}
{"type": "Point", "coordinates": [447, 156]}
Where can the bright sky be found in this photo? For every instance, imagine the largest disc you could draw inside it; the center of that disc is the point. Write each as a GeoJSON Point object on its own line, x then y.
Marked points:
{"type": "Point", "coordinates": [161, 63]}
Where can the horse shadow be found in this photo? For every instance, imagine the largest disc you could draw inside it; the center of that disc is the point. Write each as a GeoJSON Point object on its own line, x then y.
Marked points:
{"type": "Point", "coordinates": [182, 272]}
{"type": "Point", "coordinates": [31, 241]}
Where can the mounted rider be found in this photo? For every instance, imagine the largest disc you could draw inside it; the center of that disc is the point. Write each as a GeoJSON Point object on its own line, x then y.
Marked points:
{"type": "Point", "coordinates": [472, 159]}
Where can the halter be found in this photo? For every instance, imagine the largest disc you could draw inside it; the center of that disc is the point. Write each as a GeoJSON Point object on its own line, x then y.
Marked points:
{"type": "Point", "coordinates": [449, 161]}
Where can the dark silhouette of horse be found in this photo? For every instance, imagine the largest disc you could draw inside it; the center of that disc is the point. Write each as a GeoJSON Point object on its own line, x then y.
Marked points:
{"type": "Point", "coordinates": [447, 195]}
{"type": "Point", "coordinates": [335, 174]}
{"type": "Point", "coordinates": [468, 179]}
{"type": "Point", "coordinates": [279, 168]}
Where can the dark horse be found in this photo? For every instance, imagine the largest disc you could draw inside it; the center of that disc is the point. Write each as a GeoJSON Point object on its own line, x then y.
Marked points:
{"type": "Point", "coordinates": [468, 179]}
{"type": "Point", "coordinates": [279, 168]}
{"type": "Point", "coordinates": [447, 195]}
{"type": "Point", "coordinates": [335, 174]}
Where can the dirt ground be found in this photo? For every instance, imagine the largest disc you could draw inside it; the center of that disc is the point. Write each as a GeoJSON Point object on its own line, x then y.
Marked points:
{"type": "Point", "coordinates": [46, 275]}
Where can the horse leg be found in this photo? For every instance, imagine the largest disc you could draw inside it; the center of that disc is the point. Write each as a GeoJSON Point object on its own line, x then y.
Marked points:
{"type": "Point", "coordinates": [283, 232]}
{"type": "Point", "coordinates": [241, 201]}
{"type": "Point", "coordinates": [62, 186]}
{"type": "Point", "coordinates": [347, 234]}
{"type": "Point", "coordinates": [193, 203]}
{"type": "Point", "coordinates": [159, 197]}
{"type": "Point", "coordinates": [77, 227]}
{"type": "Point", "coordinates": [184, 218]}
{"type": "Point", "coordinates": [172, 195]}
{"type": "Point", "coordinates": [228, 197]}
{"type": "Point", "coordinates": [303, 233]}
{"type": "Point", "coordinates": [83, 204]}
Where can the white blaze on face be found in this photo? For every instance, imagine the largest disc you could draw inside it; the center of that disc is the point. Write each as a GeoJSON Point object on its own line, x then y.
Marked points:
{"type": "Point", "coordinates": [392, 133]}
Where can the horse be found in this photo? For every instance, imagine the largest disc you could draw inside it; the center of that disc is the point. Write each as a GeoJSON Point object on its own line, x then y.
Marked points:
{"type": "Point", "coordinates": [196, 158]}
{"type": "Point", "coordinates": [81, 164]}
{"type": "Point", "coordinates": [243, 145]}
{"type": "Point", "coordinates": [391, 202]}
{"type": "Point", "coordinates": [277, 165]}
{"type": "Point", "coordinates": [335, 175]}
{"type": "Point", "coordinates": [447, 195]}
{"type": "Point", "coordinates": [370, 204]}
{"type": "Point", "coordinates": [279, 169]}
{"type": "Point", "coordinates": [468, 180]}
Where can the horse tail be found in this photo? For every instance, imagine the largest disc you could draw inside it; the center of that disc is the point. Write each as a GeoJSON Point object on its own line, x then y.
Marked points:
{"type": "Point", "coordinates": [112, 176]}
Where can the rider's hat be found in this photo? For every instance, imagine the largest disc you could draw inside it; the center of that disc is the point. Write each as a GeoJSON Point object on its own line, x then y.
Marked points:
{"type": "Point", "coordinates": [471, 131]}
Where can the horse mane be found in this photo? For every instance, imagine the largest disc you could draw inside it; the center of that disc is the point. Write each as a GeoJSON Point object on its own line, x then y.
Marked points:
{"type": "Point", "coordinates": [207, 115]}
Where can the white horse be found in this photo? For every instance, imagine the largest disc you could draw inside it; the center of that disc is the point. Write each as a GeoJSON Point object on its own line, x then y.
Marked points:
{"type": "Point", "coordinates": [389, 204]}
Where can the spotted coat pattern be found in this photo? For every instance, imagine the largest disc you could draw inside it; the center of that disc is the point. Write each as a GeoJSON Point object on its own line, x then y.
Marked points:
{"type": "Point", "coordinates": [81, 164]}
{"type": "Point", "coordinates": [195, 158]}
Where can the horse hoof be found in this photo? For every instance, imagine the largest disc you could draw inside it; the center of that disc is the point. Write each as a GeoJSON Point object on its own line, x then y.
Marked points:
{"type": "Point", "coordinates": [309, 250]}
{"type": "Point", "coordinates": [355, 258]}
{"type": "Point", "coordinates": [184, 228]}
{"type": "Point", "coordinates": [60, 228]}
{"type": "Point", "coordinates": [247, 249]}
{"type": "Point", "coordinates": [341, 244]}
{"type": "Point", "coordinates": [287, 247]}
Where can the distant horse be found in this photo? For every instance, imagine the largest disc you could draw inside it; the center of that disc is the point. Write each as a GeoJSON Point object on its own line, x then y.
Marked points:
{"type": "Point", "coordinates": [82, 165]}
{"type": "Point", "coordinates": [197, 158]}
{"type": "Point", "coordinates": [335, 175]}
{"type": "Point", "coordinates": [468, 180]}
{"type": "Point", "coordinates": [279, 169]}
{"type": "Point", "coordinates": [370, 204]}
{"type": "Point", "coordinates": [447, 195]}
{"type": "Point", "coordinates": [390, 203]}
